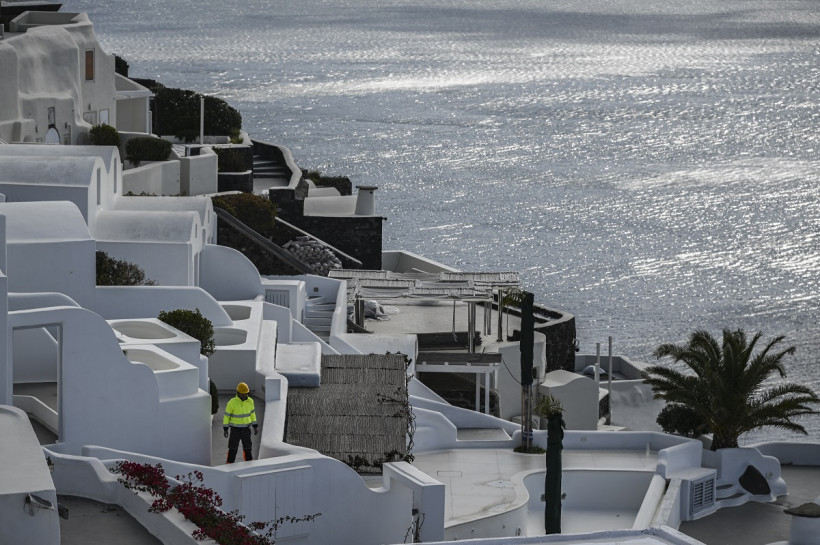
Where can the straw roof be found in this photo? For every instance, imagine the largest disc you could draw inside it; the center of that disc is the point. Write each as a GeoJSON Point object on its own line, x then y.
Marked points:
{"type": "Point", "coordinates": [360, 413]}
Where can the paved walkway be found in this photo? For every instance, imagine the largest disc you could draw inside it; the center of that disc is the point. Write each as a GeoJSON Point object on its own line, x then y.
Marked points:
{"type": "Point", "coordinates": [758, 523]}
{"type": "Point", "coordinates": [90, 521]}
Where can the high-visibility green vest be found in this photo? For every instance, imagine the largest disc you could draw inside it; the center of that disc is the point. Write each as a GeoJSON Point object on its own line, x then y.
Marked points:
{"type": "Point", "coordinates": [239, 414]}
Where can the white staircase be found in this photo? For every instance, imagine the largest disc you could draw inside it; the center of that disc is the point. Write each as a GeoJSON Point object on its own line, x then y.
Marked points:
{"type": "Point", "coordinates": [730, 495]}
{"type": "Point", "coordinates": [319, 315]}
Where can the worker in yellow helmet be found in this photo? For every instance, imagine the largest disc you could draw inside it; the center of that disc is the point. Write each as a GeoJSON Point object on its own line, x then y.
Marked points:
{"type": "Point", "coordinates": [239, 417]}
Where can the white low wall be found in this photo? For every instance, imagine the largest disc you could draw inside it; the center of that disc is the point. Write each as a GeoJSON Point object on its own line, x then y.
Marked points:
{"type": "Point", "coordinates": [622, 365]}
{"type": "Point", "coordinates": [435, 432]}
{"type": "Point", "coordinates": [731, 463]}
{"type": "Point", "coordinates": [799, 454]}
{"type": "Point", "coordinates": [291, 485]}
{"type": "Point", "coordinates": [198, 173]}
{"type": "Point", "coordinates": [652, 501]}
{"type": "Point", "coordinates": [402, 261]}
{"type": "Point", "coordinates": [157, 178]}
{"type": "Point", "coordinates": [39, 410]}
{"type": "Point", "coordinates": [120, 302]}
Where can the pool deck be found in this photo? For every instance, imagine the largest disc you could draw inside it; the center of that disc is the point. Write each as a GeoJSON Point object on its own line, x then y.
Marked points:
{"type": "Point", "coordinates": [481, 482]}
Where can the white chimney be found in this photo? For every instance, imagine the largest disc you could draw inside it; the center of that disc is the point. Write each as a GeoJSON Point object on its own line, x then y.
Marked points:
{"type": "Point", "coordinates": [366, 200]}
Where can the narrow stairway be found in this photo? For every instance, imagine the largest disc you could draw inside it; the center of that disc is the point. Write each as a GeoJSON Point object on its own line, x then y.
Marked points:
{"type": "Point", "coordinates": [272, 170]}
{"type": "Point", "coordinates": [318, 316]}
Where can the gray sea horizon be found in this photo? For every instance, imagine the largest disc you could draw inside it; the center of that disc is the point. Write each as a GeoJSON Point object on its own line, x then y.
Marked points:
{"type": "Point", "coordinates": [648, 166]}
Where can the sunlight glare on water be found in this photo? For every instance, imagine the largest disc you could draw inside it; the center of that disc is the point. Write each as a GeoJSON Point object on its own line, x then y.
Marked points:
{"type": "Point", "coordinates": [648, 166]}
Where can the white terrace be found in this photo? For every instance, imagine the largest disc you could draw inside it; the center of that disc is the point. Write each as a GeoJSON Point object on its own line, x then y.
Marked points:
{"type": "Point", "coordinates": [108, 381]}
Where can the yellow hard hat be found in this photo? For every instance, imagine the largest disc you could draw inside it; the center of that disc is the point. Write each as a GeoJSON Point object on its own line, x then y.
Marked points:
{"type": "Point", "coordinates": [242, 388]}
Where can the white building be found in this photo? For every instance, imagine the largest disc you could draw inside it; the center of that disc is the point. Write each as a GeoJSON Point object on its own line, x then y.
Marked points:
{"type": "Point", "coordinates": [96, 368]}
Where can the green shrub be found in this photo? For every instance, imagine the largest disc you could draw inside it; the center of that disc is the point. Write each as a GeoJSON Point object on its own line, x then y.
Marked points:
{"type": "Point", "coordinates": [236, 136]}
{"type": "Point", "coordinates": [117, 272]}
{"type": "Point", "coordinates": [230, 160]}
{"type": "Point", "coordinates": [104, 135]}
{"type": "Point", "coordinates": [255, 211]}
{"type": "Point", "coordinates": [681, 420]}
{"type": "Point", "coordinates": [178, 111]}
{"type": "Point", "coordinates": [147, 148]}
{"type": "Point", "coordinates": [193, 323]}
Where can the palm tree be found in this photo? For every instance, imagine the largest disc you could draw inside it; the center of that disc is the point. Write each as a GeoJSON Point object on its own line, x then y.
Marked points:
{"type": "Point", "coordinates": [725, 388]}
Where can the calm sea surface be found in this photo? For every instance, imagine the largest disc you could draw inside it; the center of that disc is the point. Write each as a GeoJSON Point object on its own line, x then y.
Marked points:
{"type": "Point", "coordinates": [649, 166]}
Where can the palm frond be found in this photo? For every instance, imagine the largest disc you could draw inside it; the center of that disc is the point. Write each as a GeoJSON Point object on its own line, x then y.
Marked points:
{"type": "Point", "coordinates": [726, 385]}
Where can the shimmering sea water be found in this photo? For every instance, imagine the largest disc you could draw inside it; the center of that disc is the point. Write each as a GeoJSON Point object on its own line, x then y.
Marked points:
{"type": "Point", "coordinates": [649, 166]}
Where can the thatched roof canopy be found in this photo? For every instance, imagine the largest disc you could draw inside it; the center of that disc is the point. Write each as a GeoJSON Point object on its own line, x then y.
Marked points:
{"type": "Point", "coordinates": [359, 413]}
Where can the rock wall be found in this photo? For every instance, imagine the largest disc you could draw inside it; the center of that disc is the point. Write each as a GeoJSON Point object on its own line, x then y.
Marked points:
{"type": "Point", "coordinates": [314, 253]}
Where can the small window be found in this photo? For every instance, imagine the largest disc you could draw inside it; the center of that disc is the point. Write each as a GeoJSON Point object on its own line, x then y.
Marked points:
{"type": "Point", "coordinates": [89, 65]}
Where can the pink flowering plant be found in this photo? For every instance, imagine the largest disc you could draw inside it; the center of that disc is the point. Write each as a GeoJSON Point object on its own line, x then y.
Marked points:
{"type": "Point", "coordinates": [199, 504]}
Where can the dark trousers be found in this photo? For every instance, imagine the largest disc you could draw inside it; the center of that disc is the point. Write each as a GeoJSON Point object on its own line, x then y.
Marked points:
{"type": "Point", "coordinates": [239, 434]}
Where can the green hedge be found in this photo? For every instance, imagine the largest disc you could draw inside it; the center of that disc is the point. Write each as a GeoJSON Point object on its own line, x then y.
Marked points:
{"type": "Point", "coordinates": [104, 135]}
{"type": "Point", "coordinates": [230, 160]}
{"type": "Point", "coordinates": [147, 148]}
{"type": "Point", "coordinates": [255, 211]}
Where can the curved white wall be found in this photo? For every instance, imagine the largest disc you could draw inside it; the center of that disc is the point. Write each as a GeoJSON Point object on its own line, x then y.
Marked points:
{"type": "Point", "coordinates": [227, 274]}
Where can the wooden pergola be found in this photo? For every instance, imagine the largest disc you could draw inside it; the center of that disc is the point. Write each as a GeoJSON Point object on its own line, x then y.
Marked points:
{"type": "Point", "coordinates": [469, 287]}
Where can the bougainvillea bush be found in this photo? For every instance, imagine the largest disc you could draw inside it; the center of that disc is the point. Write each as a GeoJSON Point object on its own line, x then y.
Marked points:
{"type": "Point", "coordinates": [199, 504]}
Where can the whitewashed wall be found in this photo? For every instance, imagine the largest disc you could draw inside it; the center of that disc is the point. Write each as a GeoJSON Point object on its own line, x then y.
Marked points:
{"type": "Point", "coordinates": [66, 267]}
{"type": "Point", "coordinates": [227, 274]}
{"type": "Point", "coordinates": [118, 302]}
{"type": "Point", "coordinates": [43, 65]}
{"type": "Point", "coordinates": [76, 179]}
{"type": "Point", "coordinates": [509, 383]}
{"type": "Point", "coordinates": [99, 390]}
{"type": "Point", "coordinates": [109, 155]}
{"type": "Point", "coordinates": [6, 377]}
{"type": "Point", "coordinates": [198, 173]}
{"type": "Point", "coordinates": [166, 263]}
{"type": "Point", "coordinates": [154, 178]}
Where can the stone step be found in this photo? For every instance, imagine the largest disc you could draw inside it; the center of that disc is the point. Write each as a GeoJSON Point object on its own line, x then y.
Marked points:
{"type": "Point", "coordinates": [314, 321]}
{"type": "Point", "coordinates": [732, 501]}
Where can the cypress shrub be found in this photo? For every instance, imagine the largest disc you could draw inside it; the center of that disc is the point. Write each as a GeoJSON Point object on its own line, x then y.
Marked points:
{"type": "Point", "coordinates": [120, 66]}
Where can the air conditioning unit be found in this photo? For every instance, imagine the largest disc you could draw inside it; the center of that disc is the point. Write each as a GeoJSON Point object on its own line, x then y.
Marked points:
{"type": "Point", "coordinates": [698, 495]}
